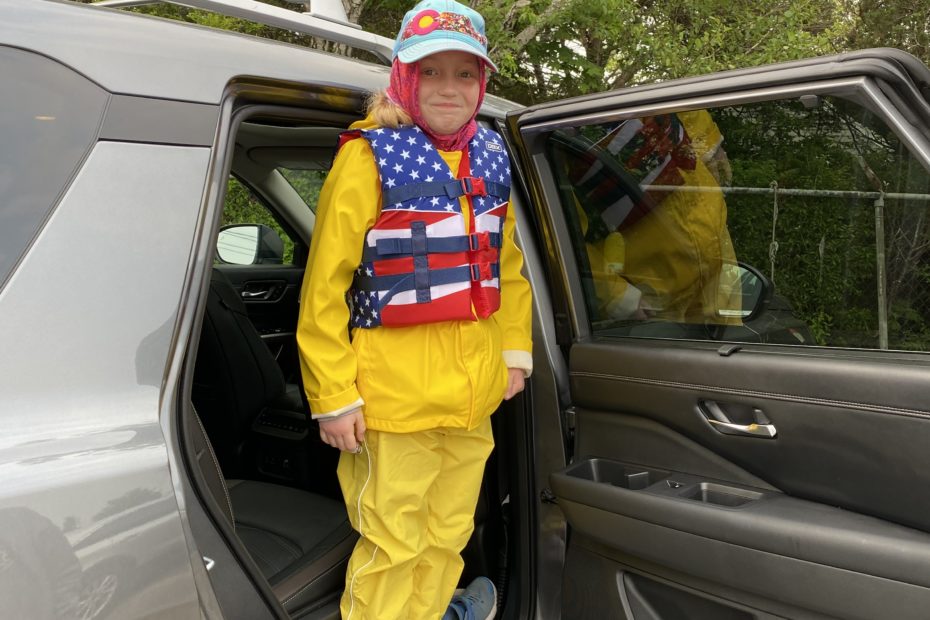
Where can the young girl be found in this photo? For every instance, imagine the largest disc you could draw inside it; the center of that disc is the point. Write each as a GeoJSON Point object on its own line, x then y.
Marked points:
{"type": "Point", "coordinates": [413, 248]}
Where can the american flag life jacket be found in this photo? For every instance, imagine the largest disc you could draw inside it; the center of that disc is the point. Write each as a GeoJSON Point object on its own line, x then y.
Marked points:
{"type": "Point", "coordinates": [418, 264]}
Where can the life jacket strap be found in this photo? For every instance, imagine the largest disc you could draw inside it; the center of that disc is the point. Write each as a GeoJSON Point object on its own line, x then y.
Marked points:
{"type": "Point", "coordinates": [466, 186]}
{"type": "Point", "coordinates": [399, 283]}
{"type": "Point", "coordinates": [395, 247]}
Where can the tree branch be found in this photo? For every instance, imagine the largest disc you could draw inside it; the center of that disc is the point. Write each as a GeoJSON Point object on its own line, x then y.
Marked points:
{"type": "Point", "coordinates": [529, 33]}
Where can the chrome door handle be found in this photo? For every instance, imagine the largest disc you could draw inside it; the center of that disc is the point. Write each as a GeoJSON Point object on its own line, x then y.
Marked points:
{"type": "Point", "coordinates": [753, 430]}
{"type": "Point", "coordinates": [759, 426]}
{"type": "Point", "coordinates": [251, 294]}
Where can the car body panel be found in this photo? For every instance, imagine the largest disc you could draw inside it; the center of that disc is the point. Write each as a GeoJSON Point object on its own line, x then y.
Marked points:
{"type": "Point", "coordinates": [129, 56]}
{"type": "Point", "coordinates": [83, 365]}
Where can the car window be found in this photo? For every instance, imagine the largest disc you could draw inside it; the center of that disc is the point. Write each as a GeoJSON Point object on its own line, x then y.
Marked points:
{"type": "Point", "coordinates": [307, 183]}
{"type": "Point", "coordinates": [801, 221]}
{"type": "Point", "coordinates": [242, 206]}
{"type": "Point", "coordinates": [49, 122]}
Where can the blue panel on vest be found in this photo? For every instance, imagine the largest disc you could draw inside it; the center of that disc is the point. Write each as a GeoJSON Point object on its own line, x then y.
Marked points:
{"type": "Point", "coordinates": [386, 247]}
{"type": "Point", "coordinates": [418, 244]}
{"type": "Point", "coordinates": [365, 308]}
{"type": "Point", "coordinates": [421, 278]}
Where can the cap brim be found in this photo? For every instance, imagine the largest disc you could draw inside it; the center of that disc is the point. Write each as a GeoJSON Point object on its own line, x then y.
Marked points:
{"type": "Point", "coordinates": [422, 49]}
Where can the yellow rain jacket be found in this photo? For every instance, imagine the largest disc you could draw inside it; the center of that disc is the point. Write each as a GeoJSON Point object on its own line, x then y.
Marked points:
{"type": "Point", "coordinates": [447, 374]}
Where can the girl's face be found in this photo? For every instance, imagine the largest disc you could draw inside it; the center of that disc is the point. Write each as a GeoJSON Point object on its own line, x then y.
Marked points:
{"type": "Point", "coordinates": [449, 90]}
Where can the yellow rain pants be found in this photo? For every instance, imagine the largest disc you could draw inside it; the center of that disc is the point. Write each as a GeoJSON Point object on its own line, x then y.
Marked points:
{"type": "Point", "coordinates": [412, 497]}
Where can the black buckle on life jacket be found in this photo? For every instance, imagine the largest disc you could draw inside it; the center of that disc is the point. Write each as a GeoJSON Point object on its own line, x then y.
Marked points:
{"type": "Point", "coordinates": [473, 186]}
{"type": "Point", "coordinates": [481, 271]}
{"type": "Point", "coordinates": [479, 241]}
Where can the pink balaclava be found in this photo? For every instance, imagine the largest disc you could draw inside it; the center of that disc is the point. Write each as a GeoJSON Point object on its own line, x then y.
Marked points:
{"type": "Point", "coordinates": [404, 88]}
{"type": "Point", "coordinates": [437, 26]}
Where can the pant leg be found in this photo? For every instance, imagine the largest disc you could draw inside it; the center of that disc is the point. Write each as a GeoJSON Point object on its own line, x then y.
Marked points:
{"type": "Point", "coordinates": [384, 489]}
{"type": "Point", "coordinates": [450, 504]}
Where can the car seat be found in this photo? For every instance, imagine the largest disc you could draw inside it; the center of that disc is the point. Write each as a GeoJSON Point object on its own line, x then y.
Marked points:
{"type": "Point", "coordinates": [235, 376]}
{"type": "Point", "coordinates": [300, 541]}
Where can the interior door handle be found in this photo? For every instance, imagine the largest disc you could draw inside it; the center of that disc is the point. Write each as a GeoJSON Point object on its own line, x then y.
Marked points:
{"type": "Point", "coordinates": [721, 422]}
{"type": "Point", "coordinates": [767, 431]}
{"type": "Point", "coordinates": [253, 294]}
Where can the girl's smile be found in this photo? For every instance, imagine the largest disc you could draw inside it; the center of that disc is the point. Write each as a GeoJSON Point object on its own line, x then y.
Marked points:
{"type": "Point", "coordinates": [449, 90]}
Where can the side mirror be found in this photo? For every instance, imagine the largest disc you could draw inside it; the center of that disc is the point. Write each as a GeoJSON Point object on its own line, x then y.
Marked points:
{"type": "Point", "coordinates": [249, 244]}
{"type": "Point", "coordinates": [755, 291]}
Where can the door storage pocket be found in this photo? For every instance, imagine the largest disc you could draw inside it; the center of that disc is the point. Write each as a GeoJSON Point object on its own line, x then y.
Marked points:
{"type": "Point", "coordinates": [627, 476]}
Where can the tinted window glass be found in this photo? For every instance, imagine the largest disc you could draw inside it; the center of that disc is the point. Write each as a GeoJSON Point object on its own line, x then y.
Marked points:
{"type": "Point", "coordinates": [307, 183]}
{"type": "Point", "coordinates": [243, 207]}
{"type": "Point", "coordinates": [49, 118]}
{"type": "Point", "coordinates": [793, 221]}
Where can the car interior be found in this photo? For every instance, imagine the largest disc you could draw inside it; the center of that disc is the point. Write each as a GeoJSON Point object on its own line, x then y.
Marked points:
{"type": "Point", "coordinates": [260, 465]}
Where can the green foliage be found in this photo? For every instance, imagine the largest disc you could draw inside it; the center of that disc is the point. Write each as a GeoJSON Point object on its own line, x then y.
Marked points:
{"type": "Point", "coordinates": [307, 183]}
{"type": "Point", "coordinates": [826, 262]}
{"type": "Point", "coordinates": [904, 24]}
{"type": "Point", "coordinates": [242, 207]}
{"type": "Point", "coordinates": [588, 46]}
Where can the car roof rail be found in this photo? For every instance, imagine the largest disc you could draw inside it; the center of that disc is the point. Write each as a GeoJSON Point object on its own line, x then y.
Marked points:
{"type": "Point", "coordinates": [318, 23]}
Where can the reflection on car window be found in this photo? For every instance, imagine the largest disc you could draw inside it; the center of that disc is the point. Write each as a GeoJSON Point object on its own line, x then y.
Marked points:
{"type": "Point", "coordinates": [307, 183]}
{"type": "Point", "coordinates": [793, 221]}
{"type": "Point", "coordinates": [650, 251]}
{"type": "Point", "coordinates": [242, 207]}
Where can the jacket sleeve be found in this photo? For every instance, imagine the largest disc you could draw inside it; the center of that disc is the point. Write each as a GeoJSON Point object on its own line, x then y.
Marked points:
{"type": "Point", "coordinates": [347, 208]}
{"type": "Point", "coordinates": [515, 314]}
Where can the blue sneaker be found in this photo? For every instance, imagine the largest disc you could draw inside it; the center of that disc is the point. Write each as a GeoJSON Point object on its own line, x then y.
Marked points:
{"type": "Point", "coordinates": [477, 602]}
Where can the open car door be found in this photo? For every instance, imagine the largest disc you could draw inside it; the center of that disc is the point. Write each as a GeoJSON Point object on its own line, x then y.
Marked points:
{"type": "Point", "coordinates": [738, 265]}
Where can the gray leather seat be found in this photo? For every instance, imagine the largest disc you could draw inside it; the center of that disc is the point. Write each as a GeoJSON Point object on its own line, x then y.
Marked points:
{"type": "Point", "coordinates": [300, 541]}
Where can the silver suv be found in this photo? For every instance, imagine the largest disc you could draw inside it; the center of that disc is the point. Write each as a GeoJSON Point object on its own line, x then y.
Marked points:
{"type": "Point", "coordinates": [720, 450]}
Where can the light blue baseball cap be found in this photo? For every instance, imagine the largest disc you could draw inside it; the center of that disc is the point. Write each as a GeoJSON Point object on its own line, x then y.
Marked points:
{"type": "Point", "coordinates": [439, 26]}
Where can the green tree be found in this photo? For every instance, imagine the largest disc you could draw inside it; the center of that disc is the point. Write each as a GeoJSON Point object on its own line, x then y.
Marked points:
{"type": "Point", "coordinates": [904, 24]}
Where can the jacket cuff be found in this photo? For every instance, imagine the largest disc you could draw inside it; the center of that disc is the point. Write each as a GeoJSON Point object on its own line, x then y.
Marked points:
{"type": "Point", "coordinates": [338, 413]}
{"type": "Point", "coordinates": [340, 402]}
{"type": "Point", "coordinates": [519, 359]}
{"type": "Point", "coordinates": [624, 306]}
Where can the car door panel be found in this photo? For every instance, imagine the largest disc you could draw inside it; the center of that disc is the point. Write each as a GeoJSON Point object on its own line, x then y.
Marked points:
{"type": "Point", "coordinates": [714, 479]}
{"type": "Point", "coordinates": [839, 449]}
{"type": "Point", "coordinates": [763, 584]}
{"type": "Point", "coordinates": [753, 513]}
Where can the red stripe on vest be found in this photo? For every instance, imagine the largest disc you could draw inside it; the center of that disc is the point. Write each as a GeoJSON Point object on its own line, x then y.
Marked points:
{"type": "Point", "coordinates": [395, 266]}
{"type": "Point", "coordinates": [452, 307]}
